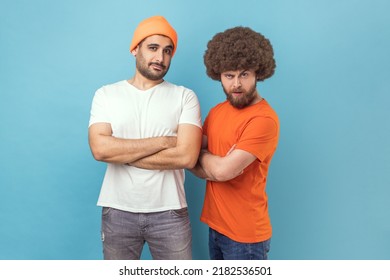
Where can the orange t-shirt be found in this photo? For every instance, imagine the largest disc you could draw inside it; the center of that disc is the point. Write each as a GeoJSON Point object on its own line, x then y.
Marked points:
{"type": "Point", "coordinates": [238, 208]}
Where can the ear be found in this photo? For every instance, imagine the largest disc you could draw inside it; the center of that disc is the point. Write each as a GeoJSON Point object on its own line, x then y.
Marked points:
{"type": "Point", "coordinates": [134, 51]}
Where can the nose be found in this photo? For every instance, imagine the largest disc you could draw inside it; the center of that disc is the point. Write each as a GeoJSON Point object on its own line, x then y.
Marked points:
{"type": "Point", "coordinates": [237, 82]}
{"type": "Point", "coordinates": [159, 56]}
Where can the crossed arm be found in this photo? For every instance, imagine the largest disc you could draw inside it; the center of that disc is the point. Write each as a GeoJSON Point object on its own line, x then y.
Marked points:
{"type": "Point", "coordinates": [217, 168]}
{"type": "Point", "coordinates": [166, 152]}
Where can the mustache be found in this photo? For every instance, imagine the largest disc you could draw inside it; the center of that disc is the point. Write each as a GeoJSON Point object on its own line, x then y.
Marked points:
{"type": "Point", "coordinates": [158, 64]}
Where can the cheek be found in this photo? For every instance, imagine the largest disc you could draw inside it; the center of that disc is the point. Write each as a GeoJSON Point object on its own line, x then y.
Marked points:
{"type": "Point", "coordinates": [249, 85]}
{"type": "Point", "coordinates": [225, 87]}
{"type": "Point", "coordinates": [226, 84]}
{"type": "Point", "coordinates": [167, 59]}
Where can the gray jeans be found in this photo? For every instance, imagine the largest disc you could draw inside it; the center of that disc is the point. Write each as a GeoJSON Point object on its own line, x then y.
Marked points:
{"type": "Point", "coordinates": [167, 233]}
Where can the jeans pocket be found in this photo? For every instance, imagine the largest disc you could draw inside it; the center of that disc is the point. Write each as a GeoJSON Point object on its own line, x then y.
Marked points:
{"type": "Point", "coordinates": [106, 211]}
{"type": "Point", "coordinates": [183, 212]}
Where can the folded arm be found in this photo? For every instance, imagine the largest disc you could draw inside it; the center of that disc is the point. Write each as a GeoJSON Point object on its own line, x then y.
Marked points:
{"type": "Point", "coordinates": [197, 170]}
{"type": "Point", "coordinates": [217, 168]}
{"type": "Point", "coordinates": [108, 148]}
{"type": "Point", "coordinates": [225, 168]}
{"type": "Point", "coordinates": [183, 155]}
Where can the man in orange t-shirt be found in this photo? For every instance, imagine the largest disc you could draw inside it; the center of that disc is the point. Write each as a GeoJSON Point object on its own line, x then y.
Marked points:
{"type": "Point", "coordinates": [240, 137]}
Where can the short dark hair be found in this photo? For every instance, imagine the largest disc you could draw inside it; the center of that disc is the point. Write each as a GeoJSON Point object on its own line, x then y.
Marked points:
{"type": "Point", "coordinates": [239, 48]}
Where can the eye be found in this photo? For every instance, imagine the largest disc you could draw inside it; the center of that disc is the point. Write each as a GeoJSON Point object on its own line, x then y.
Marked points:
{"type": "Point", "coordinates": [152, 48]}
{"type": "Point", "coordinates": [229, 76]}
{"type": "Point", "coordinates": [245, 75]}
{"type": "Point", "coordinates": [168, 51]}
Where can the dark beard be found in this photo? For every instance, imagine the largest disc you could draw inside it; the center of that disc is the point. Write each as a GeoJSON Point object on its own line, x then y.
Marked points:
{"type": "Point", "coordinates": [244, 101]}
{"type": "Point", "coordinates": [144, 71]}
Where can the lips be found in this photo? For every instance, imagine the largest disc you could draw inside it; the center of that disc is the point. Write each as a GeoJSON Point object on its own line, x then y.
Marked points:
{"type": "Point", "coordinates": [157, 67]}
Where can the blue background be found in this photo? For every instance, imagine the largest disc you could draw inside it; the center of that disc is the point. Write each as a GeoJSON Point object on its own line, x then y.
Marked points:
{"type": "Point", "coordinates": [329, 179]}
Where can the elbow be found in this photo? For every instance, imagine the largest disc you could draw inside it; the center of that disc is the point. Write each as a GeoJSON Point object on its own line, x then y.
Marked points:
{"type": "Point", "coordinates": [96, 149]}
{"type": "Point", "coordinates": [98, 154]}
{"type": "Point", "coordinates": [220, 177]}
{"type": "Point", "coordinates": [189, 162]}
{"type": "Point", "coordinates": [220, 174]}
{"type": "Point", "coordinates": [189, 159]}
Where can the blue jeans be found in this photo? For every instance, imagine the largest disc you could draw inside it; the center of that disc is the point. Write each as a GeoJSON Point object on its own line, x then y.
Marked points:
{"type": "Point", "coordinates": [222, 247]}
{"type": "Point", "coordinates": [167, 233]}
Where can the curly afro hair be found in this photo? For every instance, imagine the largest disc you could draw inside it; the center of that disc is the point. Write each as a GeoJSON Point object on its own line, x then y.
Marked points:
{"type": "Point", "coordinates": [239, 48]}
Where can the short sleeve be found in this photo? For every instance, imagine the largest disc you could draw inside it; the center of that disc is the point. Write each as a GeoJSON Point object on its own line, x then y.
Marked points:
{"type": "Point", "coordinates": [191, 110]}
{"type": "Point", "coordinates": [99, 108]}
{"type": "Point", "coordinates": [259, 137]}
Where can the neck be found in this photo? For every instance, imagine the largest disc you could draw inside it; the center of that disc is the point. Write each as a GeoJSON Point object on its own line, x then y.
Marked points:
{"type": "Point", "coordinates": [142, 83]}
{"type": "Point", "coordinates": [257, 99]}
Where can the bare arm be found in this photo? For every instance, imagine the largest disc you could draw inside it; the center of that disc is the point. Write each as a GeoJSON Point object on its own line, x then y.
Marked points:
{"type": "Point", "coordinates": [108, 148]}
{"type": "Point", "coordinates": [225, 168]}
{"type": "Point", "coordinates": [197, 170]}
{"type": "Point", "coordinates": [183, 155]}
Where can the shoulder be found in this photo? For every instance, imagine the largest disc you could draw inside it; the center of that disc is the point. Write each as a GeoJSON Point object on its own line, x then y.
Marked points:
{"type": "Point", "coordinates": [186, 95]}
{"type": "Point", "coordinates": [221, 107]}
{"type": "Point", "coordinates": [262, 119]}
{"type": "Point", "coordinates": [268, 112]}
{"type": "Point", "coordinates": [113, 86]}
{"type": "Point", "coordinates": [113, 90]}
{"type": "Point", "coordinates": [177, 88]}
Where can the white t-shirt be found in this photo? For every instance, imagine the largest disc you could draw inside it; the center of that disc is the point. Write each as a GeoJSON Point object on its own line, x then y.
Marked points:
{"type": "Point", "coordinates": [137, 114]}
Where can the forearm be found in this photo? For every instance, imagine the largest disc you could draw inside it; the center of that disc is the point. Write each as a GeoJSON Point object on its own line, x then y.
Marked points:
{"type": "Point", "coordinates": [219, 168]}
{"type": "Point", "coordinates": [184, 155]}
{"type": "Point", "coordinates": [200, 172]}
{"type": "Point", "coordinates": [212, 165]}
{"type": "Point", "coordinates": [116, 150]}
{"type": "Point", "coordinates": [168, 159]}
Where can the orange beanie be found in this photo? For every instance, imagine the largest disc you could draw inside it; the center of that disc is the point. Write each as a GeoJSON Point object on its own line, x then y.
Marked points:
{"type": "Point", "coordinates": [156, 25]}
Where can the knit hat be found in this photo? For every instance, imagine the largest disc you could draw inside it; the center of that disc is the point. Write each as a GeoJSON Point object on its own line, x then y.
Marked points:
{"type": "Point", "coordinates": [156, 25]}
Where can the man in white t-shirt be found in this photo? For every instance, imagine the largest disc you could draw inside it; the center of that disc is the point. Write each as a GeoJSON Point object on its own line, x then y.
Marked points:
{"type": "Point", "coordinates": [148, 131]}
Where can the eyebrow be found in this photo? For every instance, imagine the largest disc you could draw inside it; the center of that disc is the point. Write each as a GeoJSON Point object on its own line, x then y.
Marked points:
{"type": "Point", "coordinates": [157, 45]}
{"type": "Point", "coordinates": [240, 73]}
